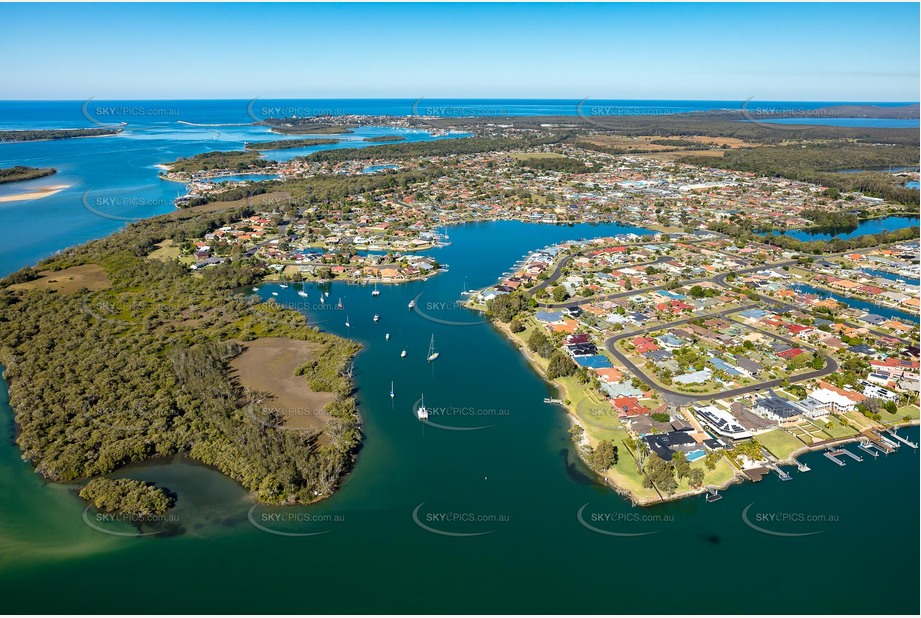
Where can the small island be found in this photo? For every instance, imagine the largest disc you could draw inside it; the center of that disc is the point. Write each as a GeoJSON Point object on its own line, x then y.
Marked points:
{"type": "Point", "coordinates": [21, 172]}
{"type": "Point", "coordinates": [127, 496]}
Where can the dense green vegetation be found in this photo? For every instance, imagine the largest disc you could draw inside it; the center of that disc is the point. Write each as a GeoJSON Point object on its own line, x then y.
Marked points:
{"type": "Point", "coordinates": [556, 164]}
{"type": "Point", "coordinates": [34, 135]}
{"type": "Point", "coordinates": [832, 219]}
{"type": "Point", "coordinates": [815, 247]}
{"type": "Point", "coordinates": [219, 160]}
{"type": "Point", "coordinates": [127, 496]}
{"type": "Point", "coordinates": [819, 162]}
{"type": "Point", "coordinates": [140, 369]}
{"type": "Point", "coordinates": [306, 126]}
{"type": "Point", "coordinates": [288, 143]}
{"type": "Point", "coordinates": [21, 172]}
{"type": "Point", "coordinates": [434, 148]}
{"type": "Point", "coordinates": [385, 138]}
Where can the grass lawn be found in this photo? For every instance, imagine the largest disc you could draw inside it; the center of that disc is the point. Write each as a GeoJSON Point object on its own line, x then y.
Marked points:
{"type": "Point", "coordinates": [910, 411]}
{"type": "Point", "coordinates": [165, 251]}
{"type": "Point", "coordinates": [779, 442]}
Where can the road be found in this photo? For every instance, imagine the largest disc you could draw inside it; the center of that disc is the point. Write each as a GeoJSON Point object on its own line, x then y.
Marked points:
{"type": "Point", "coordinates": [676, 397]}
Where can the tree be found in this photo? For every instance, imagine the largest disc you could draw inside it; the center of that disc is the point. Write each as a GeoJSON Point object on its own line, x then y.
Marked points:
{"type": "Point", "coordinates": [515, 325]}
{"type": "Point", "coordinates": [559, 293]}
{"type": "Point", "coordinates": [604, 455]}
{"type": "Point", "coordinates": [561, 365]}
{"type": "Point", "coordinates": [696, 477]}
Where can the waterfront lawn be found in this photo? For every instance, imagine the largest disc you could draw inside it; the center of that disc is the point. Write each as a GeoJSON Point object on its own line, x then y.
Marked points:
{"type": "Point", "coordinates": [910, 411]}
{"type": "Point", "coordinates": [779, 442]}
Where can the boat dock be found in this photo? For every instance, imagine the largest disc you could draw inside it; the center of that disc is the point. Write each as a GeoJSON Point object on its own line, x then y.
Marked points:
{"type": "Point", "coordinates": [713, 495]}
{"type": "Point", "coordinates": [801, 466]}
{"type": "Point", "coordinates": [877, 442]}
{"type": "Point", "coordinates": [831, 455]}
{"type": "Point", "coordinates": [847, 453]}
{"type": "Point", "coordinates": [783, 475]}
{"type": "Point", "coordinates": [868, 448]}
{"type": "Point", "coordinates": [896, 436]}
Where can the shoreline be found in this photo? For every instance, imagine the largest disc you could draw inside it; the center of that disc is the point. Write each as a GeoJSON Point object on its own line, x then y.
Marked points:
{"type": "Point", "coordinates": [35, 194]}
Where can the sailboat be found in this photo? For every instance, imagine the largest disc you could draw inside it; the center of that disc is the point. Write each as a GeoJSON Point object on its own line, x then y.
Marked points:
{"type": "Point", "coordinates": [339, 304]}
{"type": "Point", "coordinates": [391, 390]}
{"type": "Point", "coordinates": [432, 353]}
{"type": "Point", "coordinates": [377, 318]}
{"type": "Point", "coordinates": [302, 293]}
{"type": "Point", "coordinates": [347, 325]}
{"type": "Point", "coordinates": [422, 413]}
{"type": "Point", "coordinates": [387, 337]}
{"type": "Point", "coordinates": [412, 303]}
{"type": "Point", "coordinates": [375, 291]}
{"type": "Point", "coordinates": [403, 354]}
{"type": "Point", "coordinates": [282, 285]}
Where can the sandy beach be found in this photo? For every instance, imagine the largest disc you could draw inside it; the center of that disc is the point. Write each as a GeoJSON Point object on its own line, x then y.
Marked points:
{"type": "Point", "coordinates": [34, 194]}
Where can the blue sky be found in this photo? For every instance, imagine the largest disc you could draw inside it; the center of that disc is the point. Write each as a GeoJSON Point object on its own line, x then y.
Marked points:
{"type": "Point", "coordinates": [807, 52]}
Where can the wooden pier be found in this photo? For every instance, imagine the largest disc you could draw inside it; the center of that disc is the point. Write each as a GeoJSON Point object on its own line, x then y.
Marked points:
{"type": "Point", "coordinates": [847, 453]}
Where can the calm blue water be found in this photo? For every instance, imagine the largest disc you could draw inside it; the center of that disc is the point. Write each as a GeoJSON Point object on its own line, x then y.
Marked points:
{"type": "Point", "coordinates": [871, 226]}
{"type": "Point", "coordinates": [876, 123]}
{"type": "Point", "coordinates": [884, 274]}
{"type": "Point", "coordinates": [56, 114]}
{"type": "Point", "coordinates": [913, 184]}
{"type": "Point", "coordinates": [887, 312]}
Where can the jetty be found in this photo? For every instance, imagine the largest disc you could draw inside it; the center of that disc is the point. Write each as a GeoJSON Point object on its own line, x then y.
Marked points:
{"type": "Point", "coordinates": [847, 453]}
{"type": "Point", "coordinates": [801, 466]}
{"type": "Point", "coordinates": [550, 400]}
{"type": "Point", "coordinates": [713, 495]}
{"type": "Point", "coordinates": [868, 448]}
{"type": "Point", "coordinates": [904, 441]}
{"type": "Point", "coordinates": [831, 455]}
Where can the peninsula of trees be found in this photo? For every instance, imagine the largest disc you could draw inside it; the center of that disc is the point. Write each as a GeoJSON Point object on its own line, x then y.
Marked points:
{"type": "Point", "coordinates": [140, 368]}
{"type": "Point", "coordinates": [289, 143]}
{"type": "Point", "coordinates": [22, 172]}
{"type": "Point", "coordinates": [35, 135]}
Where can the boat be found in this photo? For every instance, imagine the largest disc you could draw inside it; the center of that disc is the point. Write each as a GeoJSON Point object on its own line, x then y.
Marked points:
{"type": "Point", "coordinates": [403, 354]}
{"type": "Point", "coordinates": [412, 303]}
{"type": "Point", "coordinates": [255, 289]}
{"type": "Point", "coordinates": [375, 291]}
{"type": "Point", "coordinates": [387, 337]}
{"type": "Point", "coordinates": [302, 293]}
{"type": "Point", "coordinates": [274, 293]}
{"type": "Point", "coordinates": [377, 318]}
{"type": "Point", "coordinates": [282, 285]}
{"type": "Point", "coordinates": [432, 353]}
{"type": "Point", "coordinates": [347, 325]}
{"type": "Point", "coordinates": [339, 304]}
{"type": "Point", "coordinates": [391, 390]}
{"type": "Point", "coordinates": [422, 412]}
